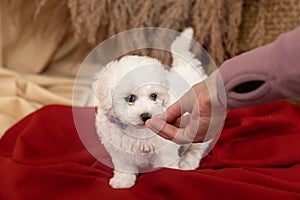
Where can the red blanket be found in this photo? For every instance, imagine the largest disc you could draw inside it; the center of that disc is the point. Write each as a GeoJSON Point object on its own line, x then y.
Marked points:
{"type": "Point", "coordinates": [256, 157]}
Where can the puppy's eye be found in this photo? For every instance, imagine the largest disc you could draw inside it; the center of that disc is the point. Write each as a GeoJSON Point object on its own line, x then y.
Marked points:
{"type": "Point", "coordinates": [153, 96]}
{"type": "Point", "coordinates": [130, 99]}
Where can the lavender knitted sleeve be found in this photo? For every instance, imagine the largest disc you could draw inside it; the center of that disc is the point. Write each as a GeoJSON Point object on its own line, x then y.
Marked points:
{"type": "Point", "coordinates": [264, 74]}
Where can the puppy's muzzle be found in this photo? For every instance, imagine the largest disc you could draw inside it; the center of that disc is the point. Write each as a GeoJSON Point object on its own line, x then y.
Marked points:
{"type": "Point", "coordinates": [145, 116]}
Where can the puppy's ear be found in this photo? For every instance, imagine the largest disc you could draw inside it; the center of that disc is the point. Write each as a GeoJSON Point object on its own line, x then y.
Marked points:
{"type": "Point", "coordinates": [104, 91]}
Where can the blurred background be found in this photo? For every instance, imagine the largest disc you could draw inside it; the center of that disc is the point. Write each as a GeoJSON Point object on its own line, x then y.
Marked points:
{"type": "Point", "coordinates": [43, 42]}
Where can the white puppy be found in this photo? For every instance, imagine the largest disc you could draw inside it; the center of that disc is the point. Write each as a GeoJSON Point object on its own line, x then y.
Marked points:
{"type": "Point", "coordinates": [132, 90]}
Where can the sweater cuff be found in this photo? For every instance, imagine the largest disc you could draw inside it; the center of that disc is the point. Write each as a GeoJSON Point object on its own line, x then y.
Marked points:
{"type": "Point", "coordinates": [248, 77]}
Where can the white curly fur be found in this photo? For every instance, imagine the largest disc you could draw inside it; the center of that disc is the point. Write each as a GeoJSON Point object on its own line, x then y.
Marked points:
{"type": "Point", "coordinates": [120, 127]}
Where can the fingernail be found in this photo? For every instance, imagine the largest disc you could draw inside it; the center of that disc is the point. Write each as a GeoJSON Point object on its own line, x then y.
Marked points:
{"type": "Point", "coordinates": [148, 122]}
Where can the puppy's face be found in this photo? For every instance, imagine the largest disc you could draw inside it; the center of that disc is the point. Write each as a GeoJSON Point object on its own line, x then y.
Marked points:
{"type": "Point", "coordinates": [133, 90]}
{"type": "Point", "coordinates": [136, 106]}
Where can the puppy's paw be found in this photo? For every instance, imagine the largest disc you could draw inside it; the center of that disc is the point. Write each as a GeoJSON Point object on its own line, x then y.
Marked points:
{"type": "Point", "coordinates": [121, 183]}
{"type": "Point", "coordinates": [189, 162]}
{"type": "Point", "coordinates": [191, 158]}
{"type": "Point", "coordinates": [122, 180]}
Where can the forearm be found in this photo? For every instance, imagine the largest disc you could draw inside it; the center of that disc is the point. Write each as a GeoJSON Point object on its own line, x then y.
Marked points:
{"type": "Point", "coordinates": [264, 74]}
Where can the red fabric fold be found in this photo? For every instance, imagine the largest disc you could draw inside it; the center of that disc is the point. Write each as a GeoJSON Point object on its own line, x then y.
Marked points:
{"type": "Point", "coordinates": [256, 157]}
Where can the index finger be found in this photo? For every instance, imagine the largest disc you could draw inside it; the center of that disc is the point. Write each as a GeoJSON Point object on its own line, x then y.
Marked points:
{"type": "Point", "coordinates": [162, 128]}
{"type": "Point", "coordinates": [170, 132]}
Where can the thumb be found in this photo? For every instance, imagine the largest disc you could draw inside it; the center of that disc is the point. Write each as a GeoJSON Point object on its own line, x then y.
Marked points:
{"type": "Point", "coordinates": [183, 105]}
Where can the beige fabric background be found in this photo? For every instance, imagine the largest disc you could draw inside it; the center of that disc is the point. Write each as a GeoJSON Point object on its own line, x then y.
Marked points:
{"type": "Point", "coordinates": [28, 49]}
{"type": "Point", "coordinates": [42, 42]}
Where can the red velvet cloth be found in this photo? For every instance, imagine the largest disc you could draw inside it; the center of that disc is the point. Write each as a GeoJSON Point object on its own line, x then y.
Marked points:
{"type": "Point", "coordinates": [256, 157]}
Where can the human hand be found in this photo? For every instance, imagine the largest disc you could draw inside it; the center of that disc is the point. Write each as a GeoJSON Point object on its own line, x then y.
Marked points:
{"type": "Point", "coordinates": [206, 114]}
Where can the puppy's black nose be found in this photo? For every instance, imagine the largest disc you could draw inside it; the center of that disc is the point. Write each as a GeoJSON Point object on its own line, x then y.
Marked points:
{"type": "Point", "coordinates": [145, 116]}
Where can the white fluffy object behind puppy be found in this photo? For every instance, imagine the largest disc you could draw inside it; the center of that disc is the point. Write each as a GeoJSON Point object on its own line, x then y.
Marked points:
{"type": "Point", "coordinates": [130, 91]}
